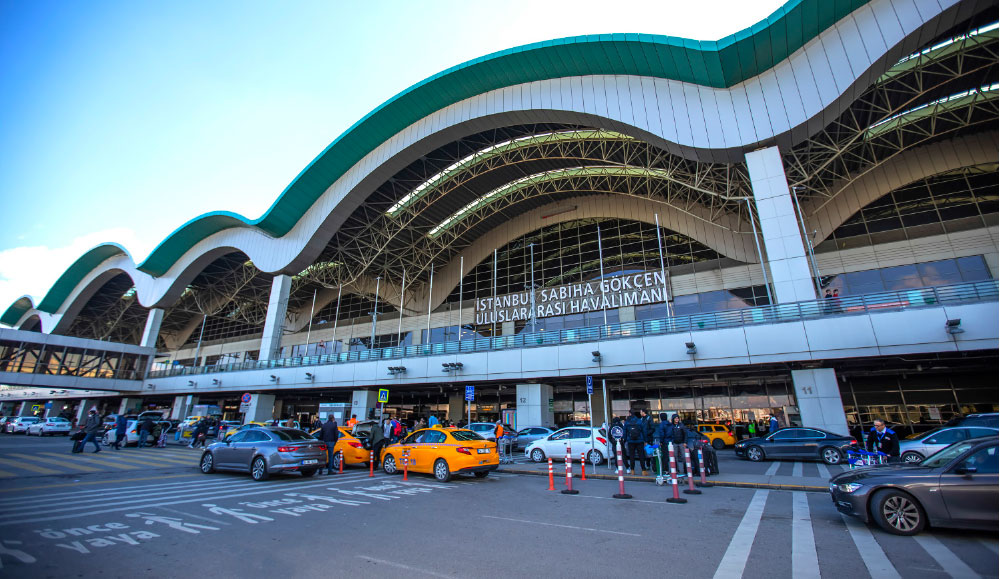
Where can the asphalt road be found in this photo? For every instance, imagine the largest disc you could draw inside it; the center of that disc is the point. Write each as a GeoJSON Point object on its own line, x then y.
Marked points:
{"type": "Point", "coordinates": [166, 519]}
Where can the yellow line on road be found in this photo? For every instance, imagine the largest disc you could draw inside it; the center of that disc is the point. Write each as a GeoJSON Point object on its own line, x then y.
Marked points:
{"type": "Point", "coordinates": [95, 461]}
{"type": "Point", "coordinates": [62, 463]}
{"type": "Point", "coordinates": [96, 482]}
{"type": "Point", "coordinates": [5, 474]}
{"type": "Point", "coordinates": [29, 467]}
{"type": "Point", "coordinates": [118, 460]}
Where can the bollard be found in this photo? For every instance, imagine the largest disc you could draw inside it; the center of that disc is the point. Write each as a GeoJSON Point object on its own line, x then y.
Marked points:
{"type": "Point", "coordinates": [673, 477]}
{"type": "Point", "coordinates": [340, 469]}
{"type": "Point", "coordinates": [621, 479]}
{"type": "Point", "coordinates": [552, 482]}
{"type": "Point", "coordinates": [569, 474]}
{"type": "Point", "coordinates": [371, 463]}
{"type": "Point", "coordinates": [406, 465]}
{"type": "Point", "coordinates": [687, 462]}
{"type": "Point", "coordinates": [701, 466]}
{"type": "Point", "coordinates": [583, 467]}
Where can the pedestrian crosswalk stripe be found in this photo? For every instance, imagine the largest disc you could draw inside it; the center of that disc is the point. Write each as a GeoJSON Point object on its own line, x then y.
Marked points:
{"type": "Point", "coordinates": [735, 559]}
{"type": "Point", "coordinates": [823, 471]}
{"type": "Point", "coordinates": [805, 561]}
{"type": "Point", "coordinates": [872, 555]}
{"type": "Point", "coordinates": [55, 462]}
{"type": "Point", "coordinates": [5, 474]}
{"type": "Point", "coordinates": [134, 461]}
{"type": "Point", "coordinates": [94, 460]}
{"type": "Point", "coordinates": [773, 469]}
{"type": "Point", "coordinates": [27, 466]}
{"type": "Point", "coordinates": [797, 469]}
{"type": "Point", "coordinates": [951, 563]}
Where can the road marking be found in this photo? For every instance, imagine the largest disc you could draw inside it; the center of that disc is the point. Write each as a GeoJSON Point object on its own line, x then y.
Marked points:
{"type": "Point", "coordinates": [797, 470]}
{"type": "Point", "coordinates": [85, 493]}
{"type": "Point", "coordinates": [991, 545]}
{"type": "Point", "coordinates": [192, 515]}
{"type": "Point", "coordinates": [805, 562]}
{"type": "Point", "coordinates": [773, 469]}
{"type": "Point", "coordinates": [948, 561]}
{"type": "Point", "coordinates": [561, 526]}
{"type": "Point", "coordinates": [735, 559]}
{"type": "Point", "coordinates": [122, 455]}
{"type": "Point", "coordinates": [89, 460]}
{"type": "Point", "coordinates": [76, 484]}
{"type": "Point", "coordinates": [5, 474]}
{"type": "Point", "coordinates": [55, 462]}
{"type": "Point", "coordinates": [874, 557]}
{"type": "Point", "coordinates": [119, 461]}
{"type": "Point", "coordinates": [28, 467]}
{"type": "Point", "coordinates": [823, 471]}
{"type": "Point", "coordinates": [404, 567]}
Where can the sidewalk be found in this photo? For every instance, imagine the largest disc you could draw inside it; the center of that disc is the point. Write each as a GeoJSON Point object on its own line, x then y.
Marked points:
{"type": "Point", "coordinates": [744, 480]}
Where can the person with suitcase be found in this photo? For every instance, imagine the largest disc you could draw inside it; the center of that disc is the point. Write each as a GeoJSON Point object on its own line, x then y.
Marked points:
{"type": "Point", "coordinates": [77, 439]}
{"type": "Point", "coordinates": [90, 429]}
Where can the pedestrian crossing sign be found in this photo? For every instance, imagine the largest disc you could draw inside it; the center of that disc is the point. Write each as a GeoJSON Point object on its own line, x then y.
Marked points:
{"type": "Point", "coordinates": [383, 395]}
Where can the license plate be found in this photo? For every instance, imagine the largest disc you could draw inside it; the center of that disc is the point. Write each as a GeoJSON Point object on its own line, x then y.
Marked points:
{"type": "Point", "coordinates": [483, 451]}
{"type": "Point", "coordinates": [310, 461]}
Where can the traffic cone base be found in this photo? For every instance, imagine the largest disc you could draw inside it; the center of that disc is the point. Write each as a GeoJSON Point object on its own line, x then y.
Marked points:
{"type": "Point", "coordinates": [691, 492]}
{"type": "Point", "coordinates": [677, 501]}
{"type": "Point", "coordinates": [569, 492]}
{"type": "Point", "coordinates": [626, 496]}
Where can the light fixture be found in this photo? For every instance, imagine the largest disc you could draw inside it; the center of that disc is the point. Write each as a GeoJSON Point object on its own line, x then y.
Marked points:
{"type": "Point", "coordinates": [216, 382]}
{"type": "Point", "coordinates": [954, 326]}
{"type": "Point", "coordinates": [310, 377]}
{"type": "Point", "coordinates": [192, 383]}
{"type": "Point", "coordinates": [691, 348]}
{"type": "Point", "coordinates": [451, 366]}
{"type": "Point", "coordinates": [393, 370]}
{"type": "Point", "coordinates": [274, 378]}
{"type": "Point", "coordinates": [151, 386]}
{"type": "Point", "coordinates": [597, 355]}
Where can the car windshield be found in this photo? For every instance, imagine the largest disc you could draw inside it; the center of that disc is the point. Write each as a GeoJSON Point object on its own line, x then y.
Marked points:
{"type": "Point", "coordinates": [482, 427]}
{"type": "Point", "coordinates": [465, 436]}
{"type": "Point", "coordinates": [58, 420]}
{"type": "Point", "coordinates": [947, 455]}
{"type": "Point", "coordinates": [291, 434]}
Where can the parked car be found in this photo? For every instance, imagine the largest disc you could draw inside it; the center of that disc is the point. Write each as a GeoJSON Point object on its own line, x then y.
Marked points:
{"type": "Point", "coordinates": [20, 424]}
{"type": "Point", "coordinates": [51, 426]}
{"type": "Point", "coordinates": [917, 447]}
{"type": "Point", "coordinates": [990, 419]}
{"type": "Point", "coordinates": [956, 487]}
{"type": "Point", "coordinates": [530, 434]}
{"type": "Point", "coordinates": [442, 452]}
{"type": "Point", "coordinates": [719, 434]}
{"type": "Point", "coordinates": [132, 433]}
{"type": "Point", "coordinates": [3, 422]}
{"type": "Point", "coordinates": [797, 443]}
{"type": "Point", "coordinates": [266, 451]}
{"type": "Point", "coordinates": [240, 428]}
{"type": "Point", "coordinates": [486, 430]}
{"type": "Point", "coordinates": [593, 442]}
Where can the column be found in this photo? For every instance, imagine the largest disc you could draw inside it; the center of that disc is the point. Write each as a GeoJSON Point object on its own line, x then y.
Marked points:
{"type": "Point", "coordinates": [82, 409]}
{"type": "Point", "coordinates": [534, 405]}
{"type": "Point", "coordinates": [130, 405]}
{"type": "Point", "coordinates": [182, 406]}
{"type": "Point", "coordinates": [779, 224]}
{"type": "Point", "coordinates": [152, 330]}
{"type": "Point", "coordinates": [456, 406]}
{"type": "Point", "coordinates": [362, 403]}
{"type": "Point", "coordinates": [25, 409]}
{"type": "Point", "coordinates": [274, 323]}
{"type": "Point", "coordinates": [261, 408]}
{"type": "Point", "coordinates": [279, 406]}
{"type": "Point", "coordinates": [818, 397]}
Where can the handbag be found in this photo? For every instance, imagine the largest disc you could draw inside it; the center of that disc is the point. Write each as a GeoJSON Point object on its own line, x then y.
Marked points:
{"type": "Point", "coordinates": [78, 435]}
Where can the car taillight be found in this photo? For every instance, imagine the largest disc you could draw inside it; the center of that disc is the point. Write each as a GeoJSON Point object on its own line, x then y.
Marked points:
{"type": "Point", "coordinates": [288, 448]}
{"type": "Point", "coordinates": [133, 431]}
{"type": "Point", "coordinates": [355, 444]}
{"type": "Point", "coordinates": [322, 447]}
{"type": "Point", "coordinates": [854, 442]}
{"type": "Point", "coordinates": [730, 433]}
{"type": "Point", "coordinates": [602, 441]}
{"type": "Point", "coordinates": [464, 450]}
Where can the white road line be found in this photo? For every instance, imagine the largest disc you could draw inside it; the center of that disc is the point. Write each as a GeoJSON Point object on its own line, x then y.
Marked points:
{"type": "Point", "coordinates": [735, 558]}
{"type": "Point", "coordinates": [561, 526]}
{"type": "Point", "coordinates": [949, 562]}
{"type": "Point", "coordinates": [773, 469]}
{"type": "Point", "coordinates": [874, 557]}
{"type": "Point", "coordinates": [989, 544]}
{"type": "Point", "coordinates": [68, 494]}
{"type": "Point", "coordinates": [797, 470]}
{"type": "Point", "coordinates": [136, 506]}
{"type": "Point", "coordinates": [823, 471]}
{"type": "Point", "coordinates": [805, 562]}
{"type": "Point", "coordinates": [404, 567]}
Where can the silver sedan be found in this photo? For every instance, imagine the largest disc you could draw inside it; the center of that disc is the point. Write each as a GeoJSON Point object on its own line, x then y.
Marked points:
{"type": "Point", "coordinates": [265, 451]}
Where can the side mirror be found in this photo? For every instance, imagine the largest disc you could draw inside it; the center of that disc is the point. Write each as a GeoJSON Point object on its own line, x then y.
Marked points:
{"type": "Point", "coordinates": [966, 470]}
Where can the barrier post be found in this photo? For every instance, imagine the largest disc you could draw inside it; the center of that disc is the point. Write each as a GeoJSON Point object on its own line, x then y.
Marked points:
{"type": "Point", "coordinates": [569, 473]}
{"type": "Point", "coordinates": [687, 463]}
{"type": "Point", "coordinates": [583, 466]}
{"type": "Point", "coordinates": [340, 468]}
{"type": "Point", "coordinates": [406, 465]}
{"type": "Point", "coordinates": [552, 482]}
{"type": "Point", "coordinates": [371, 463]}
{"type": "Point", "coordinates": [701, 465]}
{"type": "Point", "coordinates": [673, 476]}
{"type": "Point", "coordinates": [621, 478]}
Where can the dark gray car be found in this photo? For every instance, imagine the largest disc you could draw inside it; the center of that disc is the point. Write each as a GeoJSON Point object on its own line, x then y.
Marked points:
{"type": "Point", "coordinates": [526, 436]}
{"type": "Point", "coordinates": [264, 451]}
{"type": "Point", "coordinates": [956, 487]}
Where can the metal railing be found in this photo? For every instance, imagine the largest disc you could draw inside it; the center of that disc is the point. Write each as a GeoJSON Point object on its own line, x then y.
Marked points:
{"type": "Point", "coordinates": [779, 313]}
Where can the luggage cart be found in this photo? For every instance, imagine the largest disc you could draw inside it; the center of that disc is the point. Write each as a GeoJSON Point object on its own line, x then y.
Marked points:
{"type": "Point", "coordinates": [863, 458]}
{"type": "Point", "coordinates": [660, 478]}
{"type": "Point", "coordinates": [504, 446]}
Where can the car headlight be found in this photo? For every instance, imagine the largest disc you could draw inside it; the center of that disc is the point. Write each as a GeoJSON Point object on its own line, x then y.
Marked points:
{"type": "Point", "coordinates": [848, 487]}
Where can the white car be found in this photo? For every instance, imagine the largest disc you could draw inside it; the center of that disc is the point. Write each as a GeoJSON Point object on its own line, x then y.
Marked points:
{"type": "Point", "coordinates": [132, 433]}
{"type": "Point", "coordinates": [51, 426]}
{"type": "Point", "coordinates": [592, 441]}
{"type": "Point", "coordinates": [20, 424]}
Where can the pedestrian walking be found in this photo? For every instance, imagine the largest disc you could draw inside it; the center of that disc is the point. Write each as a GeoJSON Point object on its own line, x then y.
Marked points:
{"type": "Point", "coordinates": [377, 442]}
{"type": "Point", "coordinates": [772, 425]}
{"type": "Point", "coordinates": [121, 425]}
{"type": "Point", "coordinates": [90, 429]}
{"type": "Point", "coordinates": [317, 423]}
{"type": "Point", "coordinates": [329, 433]}
{"type": "Point", "coordinates": [146, 427]}
{"type": "Point", "coordinates": [635, 437]}
{"type": "Point", "coordinates": [198, 436]}
{"type": "Point", "coordinates": [433, 421]}
{"type": "Point", "coordinates": [884, 439]}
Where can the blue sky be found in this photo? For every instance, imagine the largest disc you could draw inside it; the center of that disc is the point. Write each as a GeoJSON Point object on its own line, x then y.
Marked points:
{"type": "Point", "coordinates": [119, 121]}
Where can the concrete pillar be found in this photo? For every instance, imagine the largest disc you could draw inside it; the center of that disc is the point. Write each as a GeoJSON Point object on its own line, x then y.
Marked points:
{"type": "Point", "coordinates": [818, 398]}
{"type": "Point", "coordinates": [82, 409]}
{"type": "Point", "coordinates": [279, 405]}
{"type": "Point", "coordinates": [597, 406]}
{"type": "Point", "coordinates": [7, 408]}
{"type": "Point", "coordinates": [182, 406]}
{"type": "Point", "coordinates": [130, 405]}
{"type": "Point", "coordinates": [261, 408]}
{"type": "Point", "coordinates": [456, 406]}
{"type": "Point", "coordinates": [362, 402]}
{"type": "Point", "coordinates": [274, 322]}
{"type": "Point", "coordinates": [152, 330]}
{"type": "Point", "coordinates": [779, 224]}
{"type": "Point", "coordinates": [534, 405]}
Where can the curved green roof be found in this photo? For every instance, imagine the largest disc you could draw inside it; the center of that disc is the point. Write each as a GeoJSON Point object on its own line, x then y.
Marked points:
{"type": "Point", "coordinates": [719, 63]}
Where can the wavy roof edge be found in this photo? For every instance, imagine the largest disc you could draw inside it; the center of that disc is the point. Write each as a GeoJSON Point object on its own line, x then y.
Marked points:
{"type": "Point", "coordinates": [713, 63]}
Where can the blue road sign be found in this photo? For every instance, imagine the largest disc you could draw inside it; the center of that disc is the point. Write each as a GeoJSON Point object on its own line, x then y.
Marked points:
{"type": "Point", "coordinates": [470, 393]}
{"type": "Point", "coordinates": [590, 384]}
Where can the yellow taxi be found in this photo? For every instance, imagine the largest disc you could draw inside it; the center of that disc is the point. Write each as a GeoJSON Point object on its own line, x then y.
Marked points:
{"type": "Point", "coordinates": [234, 429]}
{"type": "Point", "coordinates": [352, 449]}
{"type": "Point", "coordinates": [720, 435]}
{"type": "Point", "coordinates": [443, 453]}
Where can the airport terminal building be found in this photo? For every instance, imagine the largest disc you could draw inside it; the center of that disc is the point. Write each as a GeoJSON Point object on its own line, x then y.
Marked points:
{"type": "Point", "coordinates": [798, 220]}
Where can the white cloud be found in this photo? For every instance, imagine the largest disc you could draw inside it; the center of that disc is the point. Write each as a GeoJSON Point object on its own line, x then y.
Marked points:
{"type": "Point", "coordinates": [32, 270]}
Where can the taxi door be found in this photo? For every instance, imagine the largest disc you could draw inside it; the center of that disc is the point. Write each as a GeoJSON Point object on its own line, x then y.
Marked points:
{"type": "Point", "coordinates": [432, 446]}
{"type": "Point", "coordinates": [421, 451]}
{"type": "Point", "coordinates": [410, 445]}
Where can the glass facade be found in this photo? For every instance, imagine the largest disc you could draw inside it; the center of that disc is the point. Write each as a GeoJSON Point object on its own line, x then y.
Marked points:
{"type": "Point", "coordinates": [31, 358]}
{"type": "Point", "coordinates": [926, 274]}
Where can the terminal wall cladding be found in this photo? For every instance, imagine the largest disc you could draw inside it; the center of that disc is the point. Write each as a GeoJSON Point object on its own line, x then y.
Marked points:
{"type": "Point", "coordinates": [704, 119]}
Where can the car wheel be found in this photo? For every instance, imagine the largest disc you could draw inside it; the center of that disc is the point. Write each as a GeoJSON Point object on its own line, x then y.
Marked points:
{"type": "Point", "coordinates": [831, 456]}
{"type": "Point", "coordinates": [308, 472]}
{"type": "Point", "coordinates": [335, 463]}
{"type": "Point", "coordinates": [897, 512]}
{"type": "Point", "coordinates": [258, 469]}
{"type": "Point", "coordinates": [537, 455]}
{"type": "Point", "coordinates": [207, 463]}
{"type": "Point", "coordinates": [441, 471]}
{"type": "Point", "coordinates": [755, 453]}
{"type": "Point", "coordinates": [389, 464]}
{"type": "Point", "coordinates": [594, 457]}
{"type": "Point", "coordinates": [481, 474]}
{"type": "Point", "coordinates": [717, 444]}
{"type": "Point", "coordinates": [912, 457]}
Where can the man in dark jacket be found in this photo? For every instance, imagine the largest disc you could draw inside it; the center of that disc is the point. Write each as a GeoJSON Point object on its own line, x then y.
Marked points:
{"type": "Point", "coordinates": [91, 428]}
{"type": "Point", "coordinates": [883, 439]}
{"type": "Point", "coordinates": [647, 425]}
{"type": "Point", "coordinates": [329, 433]}
{"type": "Point", "coordinates": [146, 428]}
{"type": "Point", "coordinates": [635, 437]}
{"type": "Point", "coordinates": [678, 435]}
{"type": "Point", "coordinates": [121, 425]}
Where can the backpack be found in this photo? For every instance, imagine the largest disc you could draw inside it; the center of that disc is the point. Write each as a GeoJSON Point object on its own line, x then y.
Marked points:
{"type": "Point", "coordinates": [397, 429]}
{"type": "Point", "coordinates": [634, 432]}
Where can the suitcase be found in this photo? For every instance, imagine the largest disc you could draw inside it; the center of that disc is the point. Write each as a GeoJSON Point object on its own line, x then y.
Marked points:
{"type": "Point", "coordinates": [78, 446]}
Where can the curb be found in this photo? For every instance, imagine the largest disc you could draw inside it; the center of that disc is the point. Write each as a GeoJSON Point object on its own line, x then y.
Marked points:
{"type": "Point", "coordinates": [718, 483]}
